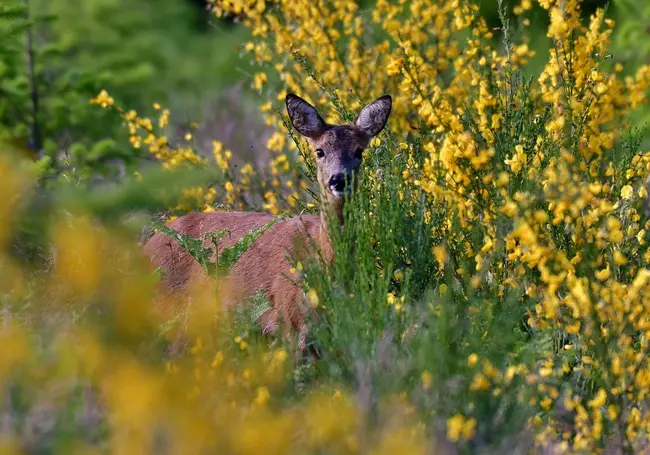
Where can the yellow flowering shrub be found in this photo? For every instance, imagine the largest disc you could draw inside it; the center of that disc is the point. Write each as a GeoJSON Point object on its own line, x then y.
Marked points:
{"type": "Point", "coordinates": [533, 184]}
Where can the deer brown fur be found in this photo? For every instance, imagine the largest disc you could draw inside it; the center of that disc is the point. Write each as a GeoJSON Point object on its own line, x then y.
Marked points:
{"type": "Point", "coordinates": [266, 265]}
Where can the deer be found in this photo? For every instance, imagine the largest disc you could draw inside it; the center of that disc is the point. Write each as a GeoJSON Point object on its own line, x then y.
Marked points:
{"type": "Point", "coordinates": [266, 266]}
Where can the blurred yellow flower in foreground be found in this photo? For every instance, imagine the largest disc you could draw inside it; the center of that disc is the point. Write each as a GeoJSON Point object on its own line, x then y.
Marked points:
{"type": "Point", "coordinates": [459, 427]}
{"type": "Point", "coordinates": [78, 245]}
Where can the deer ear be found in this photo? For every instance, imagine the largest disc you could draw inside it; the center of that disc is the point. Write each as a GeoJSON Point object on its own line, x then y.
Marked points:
{"type": "Point", "coordinates": [305, 117]}
{"type": "Point", "coordinates": [372, 118]}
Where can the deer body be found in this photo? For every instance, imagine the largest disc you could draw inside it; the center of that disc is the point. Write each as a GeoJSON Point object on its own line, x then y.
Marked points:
{"type": "Point", "coordinates": [266, 265]}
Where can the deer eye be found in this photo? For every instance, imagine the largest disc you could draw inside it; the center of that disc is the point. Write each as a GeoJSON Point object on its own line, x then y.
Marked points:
{"type": "Point", "coordinates": [320, 153]}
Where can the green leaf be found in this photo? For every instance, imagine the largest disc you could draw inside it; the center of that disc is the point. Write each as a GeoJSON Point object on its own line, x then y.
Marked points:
{"type": "Point", "coordinates": [227, 257]}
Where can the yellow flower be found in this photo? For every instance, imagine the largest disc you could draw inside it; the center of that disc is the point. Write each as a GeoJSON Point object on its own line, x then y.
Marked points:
{"type": "Point", "coordinates": [455, 427]}
{"type": "Point", "coordinates": [218, 360]}
{"type": "Point", "coordinates": [441, 255]}
{"type": "Point", "coordinates": [427, 379]}
{"type": "Point", "coordinates": [469, 428]}
{"type": "Point", "coordinates": [312, 296]}
{"type": "Point", "coordinates": [79, 260]}
{"type": "Point", "coordinates": [103, 99]}
{"type": "Point", "coordinates": [603, 274]}
{"type": "Point", "coordinates": [458, 426]}
{"type": "Point", "coordinates": [599, 400]}
{"type": "Point", "coordinates": [479, 382]}
{"type": "Point", "coordinates": [612, 412]}
{"type": "Point", "coordinates": [627, 192]}
{"type": "Point", "coordinates": [541, 216]}
{"type": "Point", "coordinates": [258, 80]}
{"type": "Point", "coordinates": [518, 160]}
{"type": "Point", "coordinates": [619, 258]}
{"type": "Point", "coordinates": [262, 396]}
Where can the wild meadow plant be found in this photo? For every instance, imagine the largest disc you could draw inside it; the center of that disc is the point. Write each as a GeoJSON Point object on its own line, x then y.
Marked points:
{"type": "Point", "coordinates": [490, 292]}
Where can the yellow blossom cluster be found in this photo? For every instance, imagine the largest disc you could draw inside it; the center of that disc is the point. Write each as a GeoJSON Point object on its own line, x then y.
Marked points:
{"type": "Point", "coordinates": [523, 176]}
{"type": "Point", "coordinates": [239, 190]}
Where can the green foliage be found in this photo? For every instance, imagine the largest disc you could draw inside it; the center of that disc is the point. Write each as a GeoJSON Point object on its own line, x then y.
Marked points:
{"type": "Point", "coordinates": [126, 207]}
{"type": "Point", "coordinates": [141, 53]}
{"type": "Point", "coordinates": [224, 258]}
{"type": "Point", "coordinates": [631, 45]}
{"type": "Point", "coordinates": [386, 315]}
{"type": "Point", "coordinates": [632, 31]}
{"type": "Point", "coordinates": [259, 304]}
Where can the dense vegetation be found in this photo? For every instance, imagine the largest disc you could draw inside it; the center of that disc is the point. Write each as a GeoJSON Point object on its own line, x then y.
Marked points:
{"type": "Point", "coordinates": [496, 298]}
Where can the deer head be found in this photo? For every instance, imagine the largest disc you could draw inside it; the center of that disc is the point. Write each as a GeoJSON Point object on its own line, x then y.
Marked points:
{"type": "Point", "coordinates": [338, 149]}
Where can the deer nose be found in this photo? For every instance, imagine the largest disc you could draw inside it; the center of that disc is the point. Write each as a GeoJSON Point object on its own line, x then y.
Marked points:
{"type": "Point", "coordinates": [337, 183]}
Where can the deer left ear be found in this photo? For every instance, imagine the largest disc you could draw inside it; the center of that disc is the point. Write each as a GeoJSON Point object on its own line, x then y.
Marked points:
{"type": "Point", "coordinates": [305, 117]}
{"type": "Point", "coordinates": [372, 118]}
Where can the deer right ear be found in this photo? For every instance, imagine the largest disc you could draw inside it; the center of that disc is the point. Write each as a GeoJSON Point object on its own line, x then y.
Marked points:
{"type": "Point", "coordinates": [304, 117]}
{"type": "Point", "coordinates": [372, 118]}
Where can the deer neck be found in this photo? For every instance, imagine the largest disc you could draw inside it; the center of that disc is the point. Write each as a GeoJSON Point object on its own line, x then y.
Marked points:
{"type": "Point", "coordinates": [324, 240]}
